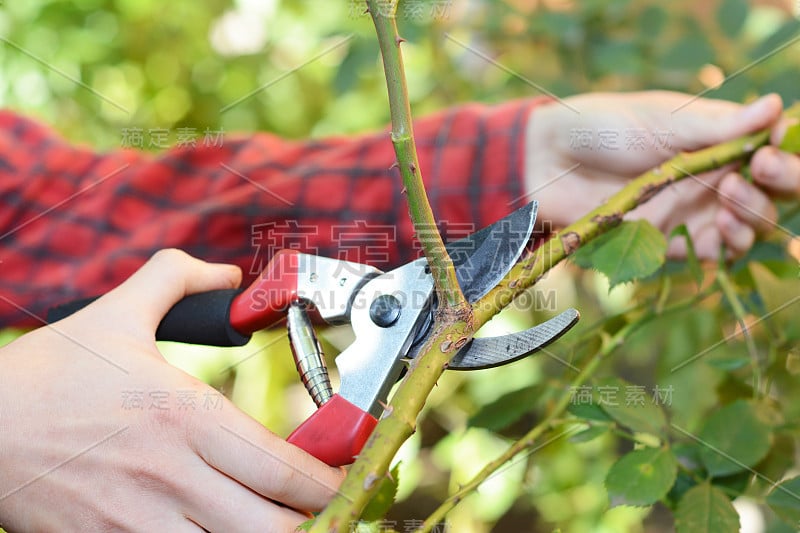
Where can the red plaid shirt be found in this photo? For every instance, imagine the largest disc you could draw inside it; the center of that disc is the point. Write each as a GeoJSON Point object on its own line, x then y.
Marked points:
{"type": "Point", "coordinates": [75, 223]}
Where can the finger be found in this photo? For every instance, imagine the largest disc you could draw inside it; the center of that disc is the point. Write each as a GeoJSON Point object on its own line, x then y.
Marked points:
{"type": "Point", "coordinates": [737, 235]}
{"type": "Point", "coordinates": [776, 171]}
{"type": "Point", "coordinates": [703, 122]}
{"type": "Point", "coordinates": [179, 525]}
{"type": "Point", "coordinates": [243, 449]}
{"type": "Point", "coordinates": [165, 279]}
{"type": "Point", "coordinates": [747, 203]}
{"type": "Point", "coordinates": [707, 242]}
{"type": "Point", "coordinates": [219, 503]}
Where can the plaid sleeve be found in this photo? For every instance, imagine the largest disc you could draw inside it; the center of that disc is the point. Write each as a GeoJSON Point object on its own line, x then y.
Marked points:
{"type": "Point", "coordinates": [75, 223]}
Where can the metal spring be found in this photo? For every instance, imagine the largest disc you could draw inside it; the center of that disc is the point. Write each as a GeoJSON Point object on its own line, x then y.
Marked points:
{"type": "Point", "coordinates": [308, 355]}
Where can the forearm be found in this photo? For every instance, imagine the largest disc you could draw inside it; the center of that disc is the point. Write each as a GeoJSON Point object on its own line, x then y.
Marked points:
{"type": "Point", "coordinates": [76, 223]}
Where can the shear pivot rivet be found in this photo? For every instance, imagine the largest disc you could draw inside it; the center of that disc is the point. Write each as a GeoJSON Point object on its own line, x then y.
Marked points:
{"type": "Point", "coordinates": [385, 310]}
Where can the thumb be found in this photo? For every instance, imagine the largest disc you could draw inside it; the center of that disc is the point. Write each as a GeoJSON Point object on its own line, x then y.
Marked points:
{"type": "Point", "coordinates": [166, 278]}
{"type": "Point", "coordinates": [707, 122]}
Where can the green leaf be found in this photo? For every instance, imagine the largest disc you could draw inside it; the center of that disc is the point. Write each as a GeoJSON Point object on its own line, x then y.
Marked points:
{"type": "Point", "coordinates": [784, 83]}
{"type": "Point", "coordinates": [630, 251]}
{"type": "Point", "coordinates": [306, 526]}
{"type": "Point", "coordinates": [733, 439]}
{"type": "Point", "coordinates": [652, 21]}
{"type": "Point", "coordinates": [690, 52]}
{"type": "Point", "coordinates": [735, 484]}
{"type": "Point", "coordinates": [589, 411]}
{"type": "Point", "coordinates": [360, 55]}
{"type": "Point", "coordinates": [642, 477]}
{"type": "Point", "coordinates": [785, 500]}
{"type": "Point", "coordinates": [779, 461]}
{"type": "Point", "coordinates": [791, 139]}
{"type": "Point", "coordinates": [379, 505]}
{"type": "Point", "coordinates": [631, 406]}
{"type": "Point", "coordinates": [729, 364]}
{"type": "Point", "coordinates": [683, 484]}
{"type": "Point", "coordinates": [691, 255]}
{"type": "Point", "coordinates": [731, 388]}
{"type": "Point", "coordinates": [706, 509]}
{"type": "Point", "coordinates": [731, 16]}
{"type": "Point", "coordinates": [781, 299]}
{"type": "Point", "coordinates": [590, 433]}
{"type": "Point", "coordinates": [781, 37]}
{"type": "Point", "coordinates": [506, 410]}
{"type": "Point", "coordinates": [616, 57]}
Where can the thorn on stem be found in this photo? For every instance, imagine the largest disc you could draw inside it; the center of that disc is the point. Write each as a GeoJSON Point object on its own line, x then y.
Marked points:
{"type": "Point", "coordinates": [403, 191]}
{"type": "Point", "coordinates": [370, 480]}
{"type": "Point", "coordinates": [399, 40]}
{"type": "Point", "coordinates": [570, 241]}
{"type": "Point", "coordinates": [394, 165]}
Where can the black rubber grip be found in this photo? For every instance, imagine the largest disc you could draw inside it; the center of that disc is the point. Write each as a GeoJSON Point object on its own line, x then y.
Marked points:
{"type": "Point", "coordinates": [202, 318]}
{"type": "Point", "coordinates": [64, 310]}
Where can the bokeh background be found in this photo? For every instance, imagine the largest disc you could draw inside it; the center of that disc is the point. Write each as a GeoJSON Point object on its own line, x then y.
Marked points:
{"type": "Point", "coordinates": [98, 69]}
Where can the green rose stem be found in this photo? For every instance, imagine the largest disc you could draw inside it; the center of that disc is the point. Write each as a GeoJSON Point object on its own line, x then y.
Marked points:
{"type": "Point", "coordinates": [456, 323]}
{"type": "Point", "coordinates": [442, 270]}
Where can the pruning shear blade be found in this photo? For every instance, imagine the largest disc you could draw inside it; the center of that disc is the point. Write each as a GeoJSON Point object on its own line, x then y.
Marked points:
{"type": "Point", "coordinates": [488, 352]}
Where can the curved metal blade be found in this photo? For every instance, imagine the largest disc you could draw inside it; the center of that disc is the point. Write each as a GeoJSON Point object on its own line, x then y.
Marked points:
{"type": "Point", "coordinates": [495, 351]}
{"type": "Point", "coordinates": [485, 257]}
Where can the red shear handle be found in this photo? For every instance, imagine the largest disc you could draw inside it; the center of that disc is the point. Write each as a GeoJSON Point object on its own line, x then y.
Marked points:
{"type": "Point", "coordinates": [336, 433]}
{"type": "Point", "coordinates": [263, 304]}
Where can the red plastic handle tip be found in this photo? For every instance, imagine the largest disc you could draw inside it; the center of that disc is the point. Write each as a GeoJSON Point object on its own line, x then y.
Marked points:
{"type": "Point", "coordinates": [336, 433]}
{"type": "Point", "coordinates": [264, 302]}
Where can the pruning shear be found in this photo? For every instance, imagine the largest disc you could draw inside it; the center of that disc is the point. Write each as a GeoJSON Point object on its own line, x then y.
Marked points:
{"type": "Point", "coordinates": [391, 316]}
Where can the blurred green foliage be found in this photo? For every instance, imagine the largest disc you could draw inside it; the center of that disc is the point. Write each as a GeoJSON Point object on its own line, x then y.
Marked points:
{"type": "Point", "coordinates": [92, 68]}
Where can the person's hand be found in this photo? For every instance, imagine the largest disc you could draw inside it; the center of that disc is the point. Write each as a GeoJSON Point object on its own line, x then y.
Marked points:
{"type": "Point", "coordinates": [75, 457]}
{"type": "Point", "coordinates": [577, 158]}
